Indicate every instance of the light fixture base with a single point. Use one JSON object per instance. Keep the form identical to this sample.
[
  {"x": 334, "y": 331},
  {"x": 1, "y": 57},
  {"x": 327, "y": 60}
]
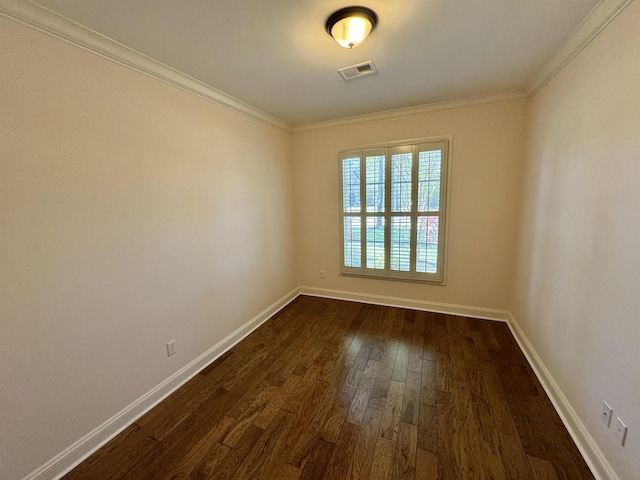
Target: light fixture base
[{"x": 350, "y": 26}]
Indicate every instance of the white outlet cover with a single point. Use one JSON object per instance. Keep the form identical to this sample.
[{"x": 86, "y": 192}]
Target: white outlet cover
[
  {"x": 606, "y": 414},
  {"x": 171, "y": 348},
  {"x": 621, "y": 431}
]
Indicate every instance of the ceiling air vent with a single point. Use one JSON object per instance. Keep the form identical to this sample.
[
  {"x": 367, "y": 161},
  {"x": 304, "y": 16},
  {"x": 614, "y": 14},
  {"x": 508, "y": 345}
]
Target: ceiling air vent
[{"x": 360, "y": 70}]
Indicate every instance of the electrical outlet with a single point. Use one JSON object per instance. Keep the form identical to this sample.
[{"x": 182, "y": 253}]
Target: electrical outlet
[
  {"x": 171, "y": 348},
  {"x": 322, "y": 274},
  {"x": 606, "y": 414},
  {"x": 621, "y": 431}
]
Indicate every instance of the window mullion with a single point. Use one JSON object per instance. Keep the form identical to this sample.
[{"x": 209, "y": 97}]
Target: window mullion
[
  {"x": 363, "y": 211},
  {"x": 444, "y": 185},
  {"x": 387, "y": 212},
  {"x": 414, "y": 210}
]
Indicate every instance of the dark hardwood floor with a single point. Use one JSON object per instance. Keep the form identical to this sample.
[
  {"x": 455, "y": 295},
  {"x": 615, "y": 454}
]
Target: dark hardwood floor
[{"x": 341, "y": 390}]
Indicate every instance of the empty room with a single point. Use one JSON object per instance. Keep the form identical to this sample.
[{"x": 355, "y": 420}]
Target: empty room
[{"x": 319, "y": 240}]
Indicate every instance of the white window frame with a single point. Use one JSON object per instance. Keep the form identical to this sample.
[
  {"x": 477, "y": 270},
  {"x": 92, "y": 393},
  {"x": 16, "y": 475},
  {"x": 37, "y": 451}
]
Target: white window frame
[{"x": 414, "y": 146}]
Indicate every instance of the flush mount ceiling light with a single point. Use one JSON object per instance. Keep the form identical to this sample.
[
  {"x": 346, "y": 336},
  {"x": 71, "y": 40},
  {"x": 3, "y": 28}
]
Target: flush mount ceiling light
[{"x": 351, "y": 26}]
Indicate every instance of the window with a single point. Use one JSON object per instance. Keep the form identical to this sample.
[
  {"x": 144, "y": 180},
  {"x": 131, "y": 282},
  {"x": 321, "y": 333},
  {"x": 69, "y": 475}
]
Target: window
[{"x": 392, "y": 213}]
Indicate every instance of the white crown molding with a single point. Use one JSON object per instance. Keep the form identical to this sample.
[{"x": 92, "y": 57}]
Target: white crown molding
[
  {"x": 414, "y": 111},
  {"x": 436, "y": 307},
  {"x": 597, "y": 462},
  {"x": 44, "y": 20},
  {"x": 603, "y": 13},
  {"x": 79, "y": 451}
]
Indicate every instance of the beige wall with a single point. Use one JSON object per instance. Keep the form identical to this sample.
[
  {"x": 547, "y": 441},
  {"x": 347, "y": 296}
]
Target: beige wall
[
  {"x": 578, "y": 273},
  {"x": 131, "y": 213},
  {"x": 487, "y": 151}
]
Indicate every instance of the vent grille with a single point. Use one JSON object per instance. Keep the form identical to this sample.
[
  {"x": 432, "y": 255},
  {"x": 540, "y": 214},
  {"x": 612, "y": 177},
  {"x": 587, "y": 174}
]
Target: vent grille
[{"x": 359, "y": 70}]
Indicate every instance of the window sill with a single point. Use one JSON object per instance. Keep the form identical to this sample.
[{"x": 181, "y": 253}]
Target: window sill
[{"x": 395, "y": 279}]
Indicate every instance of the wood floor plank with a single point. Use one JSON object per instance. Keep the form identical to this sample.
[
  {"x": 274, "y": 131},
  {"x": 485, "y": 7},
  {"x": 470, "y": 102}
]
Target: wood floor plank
[
  {"x": 429, "y": 339},
  {"x": 469, "y": 354},
  {"x": 340, "y": 407},
  {"x": 463, "y": 326},
  {"x": 475, "y": 453},
  {"x": 381, "y": 328},
  {"x": 362, "y": 358},
  {"x": 417, "y": 343},
  {"x": 543, "y": 435},
  {"x": 307, "y": 383},
  {"x": 343, "y": 453},
  {"x": 206, "y": 451},
  {"x": 351, "y": 383},
  {"x": 288, "y": 472},
  {"x": 161, "y": 420},
  {"x": 163, "y": 460},
  {"x": 116, "y": 458},
  {"x": 486, "y": 436},
  {"x": 163, "y": 425},
  {"x": 363, "y": 336},
  {"x": 508, "y": 345},
  {"x": 210, "y": 463},
  {"x": 265, "y": 454},
  {"x": 365, "y": 446},
  {"x": 404, "y": 465},
  {"x": 426, "y": 465},
  {"x": 428, "y": 383},
  {"x": 322, "y": 415},
  {"x": 216, "y": 363},
  {"x": 310, "y": 419},
  {"x": 401, "y": 365},
  {"x": 512, "y": 383},
  {"x": 316, "y": 464},
  {"x": 454, "y": 331},
  {"x": 383, "y": 457},
  {"x": 392, "y": 411},
  {"x": 247, "y": 417},
  {"x": 458, "y": 367},
  {"x": 542, "y": 469},
  {"x": 337, "y": 389},
  {"x": 513, "y": 455},
  {"x": 361, "y": 397},
  {"x": 380, "y": 390},
  {"x": 489, "y": 335},
  {"x": 234, "y": 458},
  {"x": 449, "y": 452},
  {"x": 428, "y": 427},
  {"x": 349, "y": 319},
  {"x": 315, "y": 344},
  {"x": 411, "y": 398},
  {"x": 332, "y": 360},
  {"x": 301, "y": 343},
  {"x": 305, "y": 309},
  {"x": 441, "y": 341},
  {"x": 271, "y": 408},
  {"x": 444, "y": 372},
  {"x": 480, "y": 345}
]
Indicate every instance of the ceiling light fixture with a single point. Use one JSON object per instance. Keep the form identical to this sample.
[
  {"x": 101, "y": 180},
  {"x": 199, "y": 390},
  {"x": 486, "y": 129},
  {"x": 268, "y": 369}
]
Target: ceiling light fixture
[{"x": 351, "y": 26}]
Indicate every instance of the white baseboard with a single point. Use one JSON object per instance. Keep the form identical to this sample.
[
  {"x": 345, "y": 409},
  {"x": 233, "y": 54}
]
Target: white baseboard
[
  {"x": 590, "y": 451},
  {"x": 83, "y": 448},
  {"x": 450, "y": 309}
]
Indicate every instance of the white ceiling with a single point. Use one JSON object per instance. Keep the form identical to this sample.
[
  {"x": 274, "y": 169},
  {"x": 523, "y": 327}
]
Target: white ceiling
[{"x": 276, "y": 56}]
